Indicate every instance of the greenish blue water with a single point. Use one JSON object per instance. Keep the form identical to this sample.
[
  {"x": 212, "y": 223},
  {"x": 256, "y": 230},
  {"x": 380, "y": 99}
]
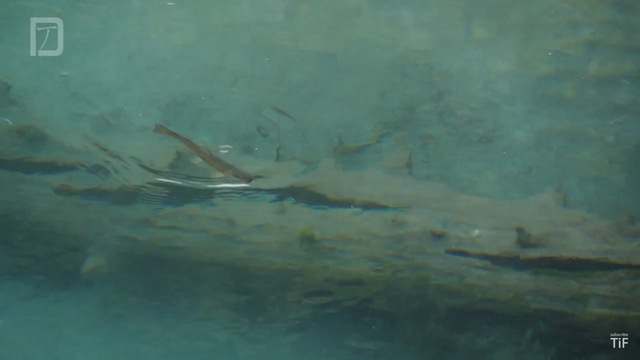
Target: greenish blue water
[{"x": 497, "y": 100}]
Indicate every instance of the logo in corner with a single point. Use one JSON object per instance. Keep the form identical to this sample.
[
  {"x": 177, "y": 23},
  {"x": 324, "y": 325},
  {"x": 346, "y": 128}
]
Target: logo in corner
[
  {"x": 42, "y": 29},
  {"x": 619, "y": 340}
]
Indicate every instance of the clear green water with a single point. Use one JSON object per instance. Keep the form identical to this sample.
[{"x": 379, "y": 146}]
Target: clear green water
[{"x": 495, "y": 100}]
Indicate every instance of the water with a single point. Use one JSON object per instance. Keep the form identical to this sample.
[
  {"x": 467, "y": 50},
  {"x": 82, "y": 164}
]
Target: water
[{"x": 439, "y": 179}]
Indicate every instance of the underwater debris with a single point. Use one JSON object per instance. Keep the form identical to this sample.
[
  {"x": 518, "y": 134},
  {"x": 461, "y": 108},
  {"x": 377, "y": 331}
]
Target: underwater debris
[
  {"x": 284, "y": 154},
  {"x": 438, "y": 234},
  {"x": 31, "y": 166},
  {"x": 627, "y": 226},
  {"x": 309, "y": 196},
  {"x": 99, "y": 119},
  {"x": 182, "y": 162},
  {"x": 161, "y": 193},
  {"x": 5, "y": 86},
  {"x": 526, "y": 240},
  {"x": 32, "y": 135},
  {"x": 263, "y": 131},
  {"x": 217, "y": 163},
  {"x": 319, "y": 293},
  {"x": 399, "y": 159},
  {"x": 6, "y": 97},
  {"x": 340, "y": 149},
  {"x": 307, "y": 235},
  {"x": 308, "y": 239},
  {"x": 108, "y": 152},
  {"x": 121, "y": 195},
  {"x": 310, "y": 243},
  {"x": 319, "y": 297},
  {"x": 558, "y": 263},
  {"x": 352, "y": 282},
  {"x": 98, "y": 170},
  {"x": 93, "y": 264}
]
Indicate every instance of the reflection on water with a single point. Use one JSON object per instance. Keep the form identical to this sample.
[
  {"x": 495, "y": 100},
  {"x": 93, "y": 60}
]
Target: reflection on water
[{"x": 428, "y": 180}]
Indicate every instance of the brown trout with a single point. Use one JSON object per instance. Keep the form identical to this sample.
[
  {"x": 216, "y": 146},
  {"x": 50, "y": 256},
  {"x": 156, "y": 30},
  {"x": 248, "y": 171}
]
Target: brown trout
[{"x": 206, "y": 155}]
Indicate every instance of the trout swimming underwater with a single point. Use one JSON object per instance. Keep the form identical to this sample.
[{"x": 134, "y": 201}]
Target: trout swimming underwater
[{"x": 206, "y": 155}]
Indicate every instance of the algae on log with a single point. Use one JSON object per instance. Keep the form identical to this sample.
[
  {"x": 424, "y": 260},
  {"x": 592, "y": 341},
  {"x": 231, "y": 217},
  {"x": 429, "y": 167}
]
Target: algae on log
[{"x": 586, "y": 267}]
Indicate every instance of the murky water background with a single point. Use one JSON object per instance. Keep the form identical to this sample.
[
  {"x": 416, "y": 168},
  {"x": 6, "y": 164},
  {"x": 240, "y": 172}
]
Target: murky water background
[{"x": 497, "y": 101}]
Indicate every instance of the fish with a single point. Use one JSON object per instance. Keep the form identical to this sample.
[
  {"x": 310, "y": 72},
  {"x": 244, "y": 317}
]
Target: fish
[
  {"x": 263, "y": 131},
  {"x": 108, "y": 152},
  {"x": 205, "y": 155},
  {"x": 341, "y": 149},
  {"x": 284, "y": 113}
]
